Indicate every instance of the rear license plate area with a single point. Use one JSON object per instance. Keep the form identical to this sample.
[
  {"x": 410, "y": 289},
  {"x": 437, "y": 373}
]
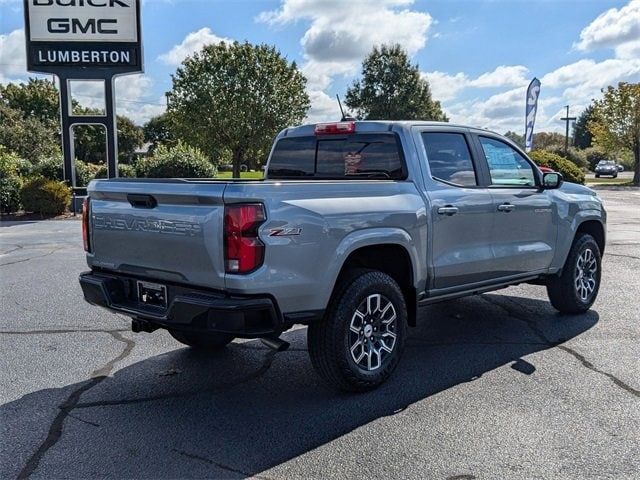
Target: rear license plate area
[{"x": 152, "y": 294}]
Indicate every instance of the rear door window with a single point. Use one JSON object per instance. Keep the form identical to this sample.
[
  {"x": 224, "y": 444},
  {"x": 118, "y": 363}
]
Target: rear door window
[
  {"x": 362, "y": 155},
  {"x": 449, "y": 158}
]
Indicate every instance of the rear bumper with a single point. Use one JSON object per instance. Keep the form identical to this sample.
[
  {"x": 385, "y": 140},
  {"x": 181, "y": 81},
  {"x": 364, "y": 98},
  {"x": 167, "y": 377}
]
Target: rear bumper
[{"x": 188, "y": 308}]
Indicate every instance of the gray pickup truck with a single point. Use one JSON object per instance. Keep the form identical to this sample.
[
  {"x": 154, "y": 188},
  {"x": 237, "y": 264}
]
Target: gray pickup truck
[{"x": 355, "y": 226}]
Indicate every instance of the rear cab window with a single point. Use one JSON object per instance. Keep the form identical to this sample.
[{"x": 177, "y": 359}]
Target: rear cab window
[{"x": 346, "y": 157}]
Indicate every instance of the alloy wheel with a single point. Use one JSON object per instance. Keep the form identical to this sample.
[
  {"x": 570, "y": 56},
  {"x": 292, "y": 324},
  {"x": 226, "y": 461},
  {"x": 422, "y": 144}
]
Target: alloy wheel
[
  {"x": 585, "y": 274},
  {"x": 372, "y": 332}
]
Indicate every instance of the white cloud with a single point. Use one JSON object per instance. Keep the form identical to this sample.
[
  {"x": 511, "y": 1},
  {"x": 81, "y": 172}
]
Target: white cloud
[
  {"x": 583, "y": 80},
  {"x": 192, "y": 43},
  {"x": 445, "y": 87},
  {"x": 323, "y": 107},
  {"x": 502, "y": 76},
  {"x": 13, "y": 58},
  {"x": 628, "y": 50},
  {"x": 612, "y": 28},
  {"x": 340, "y": 34}
]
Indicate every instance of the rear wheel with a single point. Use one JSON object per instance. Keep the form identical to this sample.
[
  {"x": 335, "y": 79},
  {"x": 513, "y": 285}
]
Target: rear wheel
[
  {"x": 360, "y": 341},
  {"x": 577, "y": 288},
  {"x": 202, "y": 340}
]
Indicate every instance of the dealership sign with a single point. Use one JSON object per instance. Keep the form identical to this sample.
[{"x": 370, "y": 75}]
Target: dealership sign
[{"x": 83, "y": 34}]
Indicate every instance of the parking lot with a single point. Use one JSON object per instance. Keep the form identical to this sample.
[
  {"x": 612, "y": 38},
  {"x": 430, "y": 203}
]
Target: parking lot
[{"x": 493, "y": 386}]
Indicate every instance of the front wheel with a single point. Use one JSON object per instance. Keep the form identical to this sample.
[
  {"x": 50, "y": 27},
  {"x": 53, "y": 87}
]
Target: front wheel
[
  {"x": 202, "y": 340},
  {"x": 577, "y": 288},
  {"x": 358, "y": 344}
]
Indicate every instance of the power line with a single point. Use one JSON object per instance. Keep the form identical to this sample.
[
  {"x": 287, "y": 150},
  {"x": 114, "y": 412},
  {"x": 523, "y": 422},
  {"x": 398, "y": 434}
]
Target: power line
[{"x": 128, "y": 100}]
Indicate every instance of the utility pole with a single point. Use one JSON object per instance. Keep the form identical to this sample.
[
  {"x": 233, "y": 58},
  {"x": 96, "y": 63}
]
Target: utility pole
[{"x": 567, "y": 119}]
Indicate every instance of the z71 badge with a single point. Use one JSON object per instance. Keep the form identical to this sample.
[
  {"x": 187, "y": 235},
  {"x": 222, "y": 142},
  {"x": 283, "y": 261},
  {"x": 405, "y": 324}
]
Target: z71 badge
[{"x": 285, "y": 232}]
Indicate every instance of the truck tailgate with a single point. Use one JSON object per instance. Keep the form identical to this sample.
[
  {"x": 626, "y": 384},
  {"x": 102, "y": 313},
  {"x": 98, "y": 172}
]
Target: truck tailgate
[{"x": 165, "y": 230}]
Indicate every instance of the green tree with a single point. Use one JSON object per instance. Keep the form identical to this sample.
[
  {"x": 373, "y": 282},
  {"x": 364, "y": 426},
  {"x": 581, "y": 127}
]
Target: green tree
[
  {"x": 236, "y": 96},
  {"x": 28, "y": 137},
  {"x": 159, "y": 131},
  {"x": 616, "y": 122},
  {"x": 130, "y": 137},
  {"x": 391, "y": 88},
  {"x": 35, "y": 99},
  {"x": 90, "y": 140},
  {"x": 547, "y": 140},
  {"x": 29, "y": 118},
  {"x": 515, "y": 138},
  {"x": 582, "y": 137}
]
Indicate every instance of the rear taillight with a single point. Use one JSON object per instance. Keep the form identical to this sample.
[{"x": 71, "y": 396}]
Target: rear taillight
[
  {"x": 243, "y": 250},
  {"x": 85, "y": 225},
  {"x": 335, "y": 128}
]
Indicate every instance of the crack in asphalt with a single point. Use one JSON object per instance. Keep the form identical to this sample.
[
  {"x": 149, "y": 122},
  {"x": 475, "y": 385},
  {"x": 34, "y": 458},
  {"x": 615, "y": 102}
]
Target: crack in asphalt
[
  {"x": 245, "y": 346},
  {"x": 426, "y": 343},
  {"x": 585, "y": 363},
  {"x": 56, "y": 427},
  {"x": 32, "y": 258},
  {"x": 88, "y": 422},
  {"x": 59, "y": 331},
  {"x": 266, "y": 365},
  {"x": 18, "y": 247},
  {"x": 518, "y": 316},
  {"x": 622, "y": 255},
  {"x": 218, "y": 464}
]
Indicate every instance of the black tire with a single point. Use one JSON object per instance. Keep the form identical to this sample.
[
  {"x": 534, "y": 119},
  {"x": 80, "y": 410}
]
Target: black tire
[
  {"x": 202, "y": 340},
  {"x": 331, "y": 339},
  {"x": 564, "y": 293},
  {"x": 597, "y": 175},
  {"x": 615, "y": 176}
]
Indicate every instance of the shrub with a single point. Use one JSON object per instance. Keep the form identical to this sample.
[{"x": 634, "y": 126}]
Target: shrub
[
  {"x": 9, "y": 163},
  {"x": 10, "y": 193},
  {"x": 48, "y": 197},
  {"x": 574, "y": 155},
  {"x": 124, "y": 170},
  {"x": 181, "y": 161},
  {"x": 569, "y": 170},
  {"x": 51, "y": 169}
]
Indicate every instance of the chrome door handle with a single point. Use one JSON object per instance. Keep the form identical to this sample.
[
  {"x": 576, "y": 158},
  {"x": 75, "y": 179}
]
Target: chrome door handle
[
  {"x": 448, "y": 210},
  {"x": 506, "y": 207}
]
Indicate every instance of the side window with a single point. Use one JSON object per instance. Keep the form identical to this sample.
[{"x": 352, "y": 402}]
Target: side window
[
  {"x": 506, "y": 166},
  {"x": 449, "y": 158}
]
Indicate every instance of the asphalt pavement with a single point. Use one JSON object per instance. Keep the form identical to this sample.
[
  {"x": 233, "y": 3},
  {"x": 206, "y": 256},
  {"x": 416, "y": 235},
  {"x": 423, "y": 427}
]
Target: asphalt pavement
[{"x": 494, "y": 386}]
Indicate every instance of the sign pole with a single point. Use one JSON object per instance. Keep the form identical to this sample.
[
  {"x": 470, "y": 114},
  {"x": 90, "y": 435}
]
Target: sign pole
[
  {"x": 68, "y": 154},
  {"x": 112, "y": 129},
  {"x": 567, "y": 119}
]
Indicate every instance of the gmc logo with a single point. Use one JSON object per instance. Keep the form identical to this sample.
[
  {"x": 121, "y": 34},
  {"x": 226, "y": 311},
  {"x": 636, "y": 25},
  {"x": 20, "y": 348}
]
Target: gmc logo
[{"x": 75, "y": 25}]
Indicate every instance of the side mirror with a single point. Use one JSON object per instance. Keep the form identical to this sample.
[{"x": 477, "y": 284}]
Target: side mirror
[{"x": 551, "y": 180}]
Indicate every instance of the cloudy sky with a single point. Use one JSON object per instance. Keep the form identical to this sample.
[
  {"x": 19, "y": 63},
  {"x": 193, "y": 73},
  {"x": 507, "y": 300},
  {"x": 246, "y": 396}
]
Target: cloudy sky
[{"x": 478, "y": 55}]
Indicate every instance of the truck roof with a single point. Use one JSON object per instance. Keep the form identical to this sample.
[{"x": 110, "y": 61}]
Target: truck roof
[{"x": 376, "y": 126}]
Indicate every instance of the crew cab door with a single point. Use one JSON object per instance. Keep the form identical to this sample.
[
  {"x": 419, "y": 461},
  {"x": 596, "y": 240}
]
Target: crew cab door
[
  {"x": 524, "y": 232},
  {"x": 461, "y": 210}
]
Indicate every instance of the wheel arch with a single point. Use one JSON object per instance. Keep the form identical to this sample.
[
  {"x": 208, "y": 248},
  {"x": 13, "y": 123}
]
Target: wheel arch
[
  {"x": 393, "y": 259},
  {"x": 595, "y": 228}
]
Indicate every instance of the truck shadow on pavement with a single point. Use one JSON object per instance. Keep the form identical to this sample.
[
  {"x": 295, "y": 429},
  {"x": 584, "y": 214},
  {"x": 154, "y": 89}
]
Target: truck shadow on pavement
[{"x": 247, "y": 409}]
